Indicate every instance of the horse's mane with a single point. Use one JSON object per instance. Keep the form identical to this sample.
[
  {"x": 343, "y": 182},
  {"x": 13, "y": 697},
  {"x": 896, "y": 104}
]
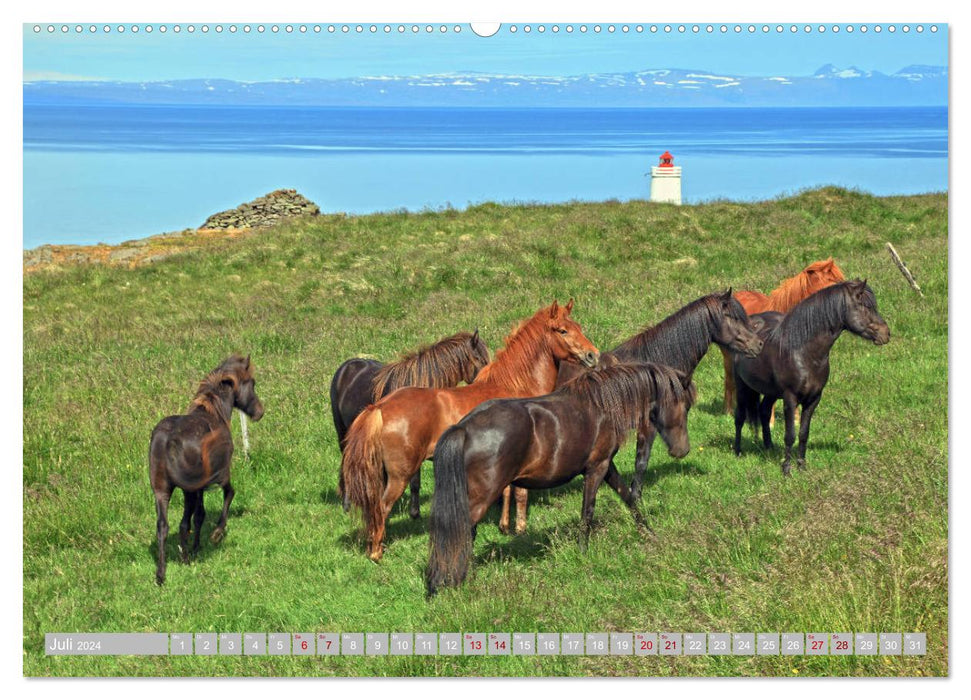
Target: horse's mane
[
  {"x": 514, "y": 363},
  {"x": 442, "y": 364},
  {"x": 682, "y": 339},
  {"x": 621, "y": 392},
  {"x": 234, "y": 368},
  {"x": 826, "y": 309},
  {"x": 816, "y": 276}
]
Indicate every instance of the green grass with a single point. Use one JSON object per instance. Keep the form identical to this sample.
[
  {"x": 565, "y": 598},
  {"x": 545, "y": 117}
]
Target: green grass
[{"x": 856, "y": 542}]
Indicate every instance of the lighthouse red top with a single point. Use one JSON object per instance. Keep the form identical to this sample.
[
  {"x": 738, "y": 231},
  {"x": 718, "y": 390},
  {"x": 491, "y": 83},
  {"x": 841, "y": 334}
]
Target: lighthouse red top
[{"x": 667, "y": 160}]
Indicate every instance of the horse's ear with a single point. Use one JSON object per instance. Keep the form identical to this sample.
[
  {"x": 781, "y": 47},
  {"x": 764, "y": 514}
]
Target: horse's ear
[
  {"x": 728, "y": 293},
  {"x": 685, "y": 380},
  {"x": 554, "y": 309},
  {"x": 475, "y": 337},
  {"x": 247, "y": 361},
  {"x": 569, "y": 306}
]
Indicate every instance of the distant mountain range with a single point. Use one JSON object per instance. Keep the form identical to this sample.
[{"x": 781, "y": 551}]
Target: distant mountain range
[{"x": 914, "y": 85}]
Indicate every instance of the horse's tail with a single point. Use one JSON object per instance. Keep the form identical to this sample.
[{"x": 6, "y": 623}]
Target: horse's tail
[
  {"x": 450, "y": 523},
  {"x": 362, "y": 466},
  {"x": 341, "y": 429}
]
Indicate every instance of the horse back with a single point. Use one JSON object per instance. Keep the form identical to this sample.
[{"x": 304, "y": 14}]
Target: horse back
[
  {"x": 191, "y": 452},
  {"x": 350, "y": 392}
]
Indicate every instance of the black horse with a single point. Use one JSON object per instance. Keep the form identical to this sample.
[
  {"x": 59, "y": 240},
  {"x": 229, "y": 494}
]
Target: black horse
[
  {"x": 194, "y": 450},
  {"x": 360, "y": 382},
  {"x": 544, "y": 442},
  {"x": 794, "y": 363},
  {"x": 680, "y": 341}
]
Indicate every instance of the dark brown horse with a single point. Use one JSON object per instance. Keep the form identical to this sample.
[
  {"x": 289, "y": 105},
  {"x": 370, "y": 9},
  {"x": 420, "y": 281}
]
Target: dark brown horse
[
  {"x": 194, "y": 450},
  {"x": 360, "y": 382},
  {"x": 794, "y": 363},
  {"x": 815, "y": 276},
  {"x": 390, "y": 439},
  {"x": 679, "y": 342},
  {"x": 544, "y": 442}
]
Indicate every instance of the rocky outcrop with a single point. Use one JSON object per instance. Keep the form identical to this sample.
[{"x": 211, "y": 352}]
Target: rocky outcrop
[{"x": 264, "y": 211}]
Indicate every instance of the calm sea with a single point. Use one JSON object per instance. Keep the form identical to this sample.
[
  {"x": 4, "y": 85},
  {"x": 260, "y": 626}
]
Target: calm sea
[{"x": 114, "y": 173}]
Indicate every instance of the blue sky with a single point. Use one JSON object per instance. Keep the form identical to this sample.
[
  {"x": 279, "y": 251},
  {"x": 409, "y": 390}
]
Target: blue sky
[{"x": 255, "y": 57}]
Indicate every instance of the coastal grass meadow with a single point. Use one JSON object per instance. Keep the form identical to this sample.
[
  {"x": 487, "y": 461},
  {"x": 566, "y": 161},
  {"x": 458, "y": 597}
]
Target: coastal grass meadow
[{"x": 857, "y": 542}]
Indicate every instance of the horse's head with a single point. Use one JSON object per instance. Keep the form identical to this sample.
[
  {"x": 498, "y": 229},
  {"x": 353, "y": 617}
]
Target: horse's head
[
  {"x": 566, "y": 340},
  {"x": 862, "y": 317},
  {"x": 669, "y": 415},
  {"x": 240, "y": 377},
  {"x": 821, "y": 274},
  {"x": 732, "y": 328},
  {"x": 478, "y": 357}
]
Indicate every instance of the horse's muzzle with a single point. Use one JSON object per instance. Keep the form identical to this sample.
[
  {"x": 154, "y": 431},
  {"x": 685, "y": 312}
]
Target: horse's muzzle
[
  {"x": 880, "y": 335},
  {"x": 257, "y": 411},
  {"x": 590, "y": 358}
]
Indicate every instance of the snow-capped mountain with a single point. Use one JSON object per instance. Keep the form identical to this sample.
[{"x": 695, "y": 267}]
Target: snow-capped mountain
[{"x": 662, "y": 87}]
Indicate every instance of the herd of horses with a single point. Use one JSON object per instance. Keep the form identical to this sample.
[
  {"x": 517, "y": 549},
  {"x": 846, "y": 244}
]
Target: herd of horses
[{"x": 548, "y": 408}]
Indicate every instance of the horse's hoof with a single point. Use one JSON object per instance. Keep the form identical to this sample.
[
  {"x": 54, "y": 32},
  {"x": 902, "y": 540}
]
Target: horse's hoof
[
  {"x": 376, "y": 556},
  {"x": 159, "y": 580},
  {"x": 415, "y": 514},
  {"x": 520, "y": 530},
  {"x": 786, "y": 469},
  {"x": 217, "y": 535},
  {"x": 801, "y": 463},
  {"x": 504, "y": 529}
]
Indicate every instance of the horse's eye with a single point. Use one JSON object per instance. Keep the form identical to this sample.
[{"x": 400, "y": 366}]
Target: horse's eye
[{"x": 561, "y": 331}]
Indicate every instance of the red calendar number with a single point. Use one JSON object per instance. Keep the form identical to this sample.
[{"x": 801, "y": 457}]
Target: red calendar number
[
  {"x": 647, "y": 645},
  {"x": 475, "y": 644},
  {"x": 328, "y": 644},
  {"x": 500, "y": 645},
  {"x": 303, "y": 645},
  {"x": 842, "y": 646},
  {"x": 670, "y": 644},
  {"x": 817, "y": 644}
]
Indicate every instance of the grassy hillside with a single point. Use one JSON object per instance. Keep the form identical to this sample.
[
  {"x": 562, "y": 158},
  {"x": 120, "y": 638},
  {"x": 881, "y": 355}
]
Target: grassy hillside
[{"x": 857, "y": 542}]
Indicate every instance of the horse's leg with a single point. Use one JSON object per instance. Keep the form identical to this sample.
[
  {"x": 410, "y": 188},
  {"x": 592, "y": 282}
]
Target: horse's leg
[
  {"x": 190, "y": 506},
  {"x": 591, "y": 482},
  {"x": 808, "y": 408},
  {"x": 217, "y": 535},
  {"x": 161, "y": 531},
  {"x": 617, "y": 484},
  {"x": 504, "y": 517},
  {"x": 789, "y": 408},
  {"x": 342, "y": 491},
  {"x": 766, "y": 409},
  {"x": 392, "y": 492},
  {"x": 739, "y": 421},
  {"x": 200, "y": 516},
  {"x": 728, "y": 364},
  {"x": 414, "y": 511},
  {"x": 522, "y": 500},
  {"x": 645, "y": 441}
]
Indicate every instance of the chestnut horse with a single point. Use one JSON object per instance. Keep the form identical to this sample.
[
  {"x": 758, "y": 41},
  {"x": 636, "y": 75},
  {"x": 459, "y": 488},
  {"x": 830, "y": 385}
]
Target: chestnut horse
[
  {"x": 679, "y": 341},
  {"x": 359, "y": 382},
  {"x": 544, "y": 442},
  {"x": 194, "y": 450},
  {"x": 818, "y": 275},
  {"x": 794, "y": 363},
  {"x": 390, "y": 439}
]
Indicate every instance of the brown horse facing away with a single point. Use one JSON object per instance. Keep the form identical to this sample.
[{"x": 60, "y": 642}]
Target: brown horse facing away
[
  {"x": 794, "y": 362},
  {"x": 390, "y": 439},
  {"x": 816, "y": 276},
  {"x": 359, "y": 382},
  {"x": 544, "y": 442},
  {"x": 194, "y": 450}
]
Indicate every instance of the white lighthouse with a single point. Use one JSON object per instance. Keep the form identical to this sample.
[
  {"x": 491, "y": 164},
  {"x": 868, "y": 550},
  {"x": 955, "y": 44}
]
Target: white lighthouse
[{"x": 666, "y": 181}]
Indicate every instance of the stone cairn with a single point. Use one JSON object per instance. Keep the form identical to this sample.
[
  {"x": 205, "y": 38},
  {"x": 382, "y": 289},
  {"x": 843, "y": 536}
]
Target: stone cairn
[{"x": 268, "y": 210}]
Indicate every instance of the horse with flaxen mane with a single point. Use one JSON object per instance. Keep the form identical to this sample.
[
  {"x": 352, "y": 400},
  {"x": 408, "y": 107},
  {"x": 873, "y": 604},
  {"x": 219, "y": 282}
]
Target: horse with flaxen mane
[
  {"x": 359, "y": 382},
  {"x": 194, "y": 450},
  {"x": 390, "y": 439},
  {"x": 816, "y": 276},
  {"x": 679, "y": 342},
  {"x": 794, "y": 362},
  {"x": 544, "y": 442}
]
